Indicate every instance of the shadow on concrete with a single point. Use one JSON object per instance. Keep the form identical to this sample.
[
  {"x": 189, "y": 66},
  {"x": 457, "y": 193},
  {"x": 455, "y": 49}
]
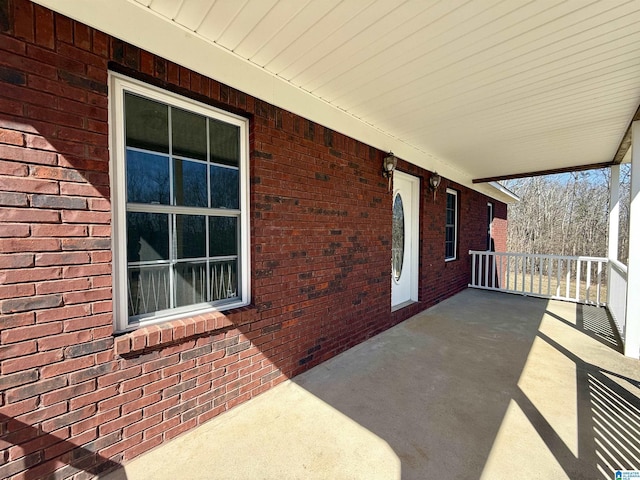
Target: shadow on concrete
[
  {"x": 608, "y": 421},
  {"x": 46, "y": 451},
  {"x": 436, "y": 387}
]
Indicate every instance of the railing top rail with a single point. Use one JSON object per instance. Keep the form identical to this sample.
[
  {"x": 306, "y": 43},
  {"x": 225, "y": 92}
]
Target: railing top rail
[
  {"x": 540, "y": 255},
  {"x": 618, "y": 265}
]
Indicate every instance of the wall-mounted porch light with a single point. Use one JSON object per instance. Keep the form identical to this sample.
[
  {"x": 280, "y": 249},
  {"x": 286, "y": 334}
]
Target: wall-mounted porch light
[
  {"x": 434, "y": 183},
  {"x": 388, "y": 166}
]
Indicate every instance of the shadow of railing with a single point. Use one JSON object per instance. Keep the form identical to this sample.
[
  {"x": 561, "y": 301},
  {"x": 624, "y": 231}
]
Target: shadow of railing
[
  {"x": 608, "y": 421},
  {"x": 596, "y": 323},
  {"x": 46, "y": 452}
]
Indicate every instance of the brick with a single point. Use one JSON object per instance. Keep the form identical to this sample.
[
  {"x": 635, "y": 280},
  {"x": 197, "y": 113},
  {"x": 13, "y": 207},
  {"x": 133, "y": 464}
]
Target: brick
[
  {"x": 19, "y": 154},
  {"x": 34, "y": 389},
  {"x": 62, "y": 258},
  {"x": 63, "y": 394},
  {"x": 43, "y": 413},
  {"x": 20, "y": 334},
  {"x": 60, "y": 286},
  {"x": 88, "y": 348},
  {"x": 11, "y": 137},
  {"x": 22, "y": 290},
  {"x": 140, "y": 381},
  {"x": 12, "y": 245},
  {"x": 30, "y": 361},
  {"x": 86, "y": 244},
  {"x": 86, "y": 270},
  {"x": 20, "y": 378},
  {"x": 119, "y": 376},
  {"x": 67, "y": 366},
  {"x": 19, "y": 408},
  {"x": 31, "y": 215},
  {"x": 14, "y": 230},
  {"x": 22, "y": 464},
  {"x": 54, "y": 201},
  {"x": 119, "y": 400},
  {"x": 24, "y": 24},
  {"x": 85, "y": 296},
  {"x": 44, "y": 30},
  {"x": 55, "y": 173},
  {"x": 93, "y": 397},
  {"x": 13, "y": 199},
  {"x": 51, "y": 342},
  {"x": 120, "y": 422},
  {"x": 30, "y": 274},
  {"x": 18, "y": 260},
  {"x": 62, "y": 313},
  {"x": 75, "y": 216},
  {"x": 30, "y": 303},
  {"x": 18, "y": 320},
  {"x": 92, "y": 372},
  {"x": 17, "y": 349},
  {"x": 59, "y": 230},
  {"x": 94, "y": 421},
  {"x": 88, "y": 322}
]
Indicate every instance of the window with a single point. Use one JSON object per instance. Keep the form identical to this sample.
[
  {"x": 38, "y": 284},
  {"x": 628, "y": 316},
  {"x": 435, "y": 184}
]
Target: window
[
  {"x": 179, "y": 183},
  {"x": 451, "y": 226}
]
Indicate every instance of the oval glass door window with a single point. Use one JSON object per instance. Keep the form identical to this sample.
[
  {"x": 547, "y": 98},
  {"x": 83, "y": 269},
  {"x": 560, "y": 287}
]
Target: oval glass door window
[{"x": 397, "y": 239}]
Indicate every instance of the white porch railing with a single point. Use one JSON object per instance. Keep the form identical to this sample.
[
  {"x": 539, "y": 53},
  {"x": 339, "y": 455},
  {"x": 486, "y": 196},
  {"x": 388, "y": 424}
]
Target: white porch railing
[
  {"x": 617, "y": 293},
  {"x": 575, "y": 279}
]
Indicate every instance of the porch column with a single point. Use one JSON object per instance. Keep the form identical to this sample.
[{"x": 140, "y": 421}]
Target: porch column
[
  {"x": 614, "y": 212},
  {"x": 614, "y": 223},
  {"x": 632, "y": 327}
]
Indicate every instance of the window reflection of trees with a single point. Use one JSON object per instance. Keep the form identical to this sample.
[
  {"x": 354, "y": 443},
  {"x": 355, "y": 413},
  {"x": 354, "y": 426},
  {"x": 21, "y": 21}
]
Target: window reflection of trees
[{"x": 170, "y": 263}]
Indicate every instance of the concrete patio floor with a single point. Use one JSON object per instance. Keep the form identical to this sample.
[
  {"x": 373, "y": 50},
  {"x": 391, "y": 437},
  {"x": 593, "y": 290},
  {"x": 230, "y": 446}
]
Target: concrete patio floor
[{"x": 483, "y": 385}]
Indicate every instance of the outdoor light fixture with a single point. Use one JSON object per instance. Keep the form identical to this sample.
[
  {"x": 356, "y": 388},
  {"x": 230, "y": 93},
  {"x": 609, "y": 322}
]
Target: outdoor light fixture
[
  {"x": 388, "y": 166},
  {"x": 434, "y": 183}
]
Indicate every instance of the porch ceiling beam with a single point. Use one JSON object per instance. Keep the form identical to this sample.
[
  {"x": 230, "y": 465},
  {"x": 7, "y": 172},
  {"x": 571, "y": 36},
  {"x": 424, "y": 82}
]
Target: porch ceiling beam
[{"x": 577, "y": 168}]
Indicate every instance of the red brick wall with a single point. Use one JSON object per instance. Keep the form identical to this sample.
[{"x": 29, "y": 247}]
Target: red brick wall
[{"x": 77, "y": 400}]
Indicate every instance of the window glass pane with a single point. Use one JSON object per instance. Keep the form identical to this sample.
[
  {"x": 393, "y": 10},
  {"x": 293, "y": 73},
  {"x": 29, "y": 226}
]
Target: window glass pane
[
  {"x": 224, "y": 279},
  {"x": 149, "y": 289},
  {"x": 451, "y": 200},
  {"x": 146, "y": 123},
  {"x": 147, "y": 177},
  {"x": 189, "y": 134},
  {"x": 397, "y": 237},
  {"x": 224, "y": 187},
  {"x": 190, "y": 183},
  {"x": 190, "y": 236},
  {"x": 224, "y": 141},
  {"x": 223, "y": 236},
  {"x": 147, "y": 237},
  {"x": 191, "y": 283}
]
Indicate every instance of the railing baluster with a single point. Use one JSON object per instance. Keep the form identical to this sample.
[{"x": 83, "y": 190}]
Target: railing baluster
[
  {"x": 578, "y": 279},
  {"x": 473, "y": 269}
]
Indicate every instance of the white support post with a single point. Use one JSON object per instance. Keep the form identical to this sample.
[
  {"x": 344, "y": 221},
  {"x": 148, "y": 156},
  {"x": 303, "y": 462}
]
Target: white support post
[
  {"x": 614, "y": 221},
  {"x": 614, "y": 212},
  {"x": 632, "y": 325}
]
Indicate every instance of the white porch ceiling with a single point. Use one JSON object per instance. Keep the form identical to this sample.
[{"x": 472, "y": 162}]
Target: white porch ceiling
[{"x": 474, "y": 89}]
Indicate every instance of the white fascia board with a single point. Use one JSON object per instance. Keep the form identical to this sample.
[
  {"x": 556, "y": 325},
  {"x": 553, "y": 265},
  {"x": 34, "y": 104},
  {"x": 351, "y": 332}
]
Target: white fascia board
[{"x": 133, "y": 23}]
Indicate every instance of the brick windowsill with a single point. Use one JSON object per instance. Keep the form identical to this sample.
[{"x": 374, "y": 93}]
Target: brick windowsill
[{"x": 165, "y": 333}]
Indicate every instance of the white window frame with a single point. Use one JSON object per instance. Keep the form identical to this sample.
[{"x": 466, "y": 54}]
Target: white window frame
[
  {"x": 450, "y": 191},
  {"x": 118, "y": 85},
  {"x": 490, "y": 226}
]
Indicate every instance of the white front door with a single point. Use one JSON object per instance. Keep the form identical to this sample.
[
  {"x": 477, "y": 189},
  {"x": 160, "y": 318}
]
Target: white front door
[{"x": 405, "y": 239}]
